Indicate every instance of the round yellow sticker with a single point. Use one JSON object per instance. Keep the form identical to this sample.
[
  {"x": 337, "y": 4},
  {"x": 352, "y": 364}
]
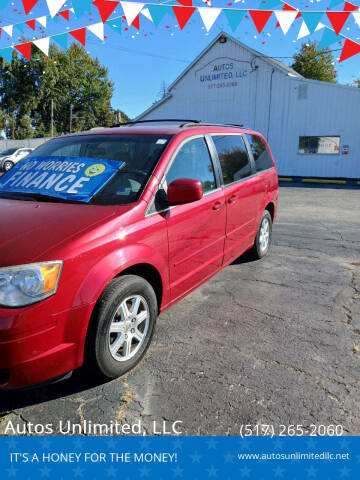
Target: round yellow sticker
[{"x": 94, "y": 170}]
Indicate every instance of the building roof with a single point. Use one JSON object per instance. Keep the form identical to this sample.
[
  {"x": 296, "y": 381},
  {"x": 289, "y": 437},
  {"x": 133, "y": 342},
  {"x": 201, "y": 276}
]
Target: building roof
[{"x": 272, "y": 61}]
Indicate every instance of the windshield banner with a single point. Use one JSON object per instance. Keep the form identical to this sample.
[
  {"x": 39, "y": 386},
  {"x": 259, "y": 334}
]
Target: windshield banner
[{"x": 70, "y": 178}]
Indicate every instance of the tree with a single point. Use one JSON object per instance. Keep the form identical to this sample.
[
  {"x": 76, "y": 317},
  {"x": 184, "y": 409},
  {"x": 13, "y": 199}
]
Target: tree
[
  {"x": 313, "y": 63},
  {"x": 119, "y": 117},
  {"x": 76, "y": 84},
  {"x": 357, "y": 82}
]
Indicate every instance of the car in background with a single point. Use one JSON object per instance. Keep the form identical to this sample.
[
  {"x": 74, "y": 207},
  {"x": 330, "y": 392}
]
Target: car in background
[
  {"x": 106, "y": 229},
  {"x": 11, "y": 156}
]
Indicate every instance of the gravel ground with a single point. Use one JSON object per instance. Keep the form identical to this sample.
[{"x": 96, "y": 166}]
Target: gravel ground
[{"x": 275, "y": 341}]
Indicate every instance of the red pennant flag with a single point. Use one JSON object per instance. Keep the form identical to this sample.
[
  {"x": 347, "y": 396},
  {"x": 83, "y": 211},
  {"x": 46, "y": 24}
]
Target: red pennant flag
[
  {"x": 80, "y": 35},
  {"x": 65, "y": 14},
  {"x": 183, "y": 15},
  {"x": 24, "y": 49},
  {"x": 136, "y": 21},
  {"x": 349, "y": 7},
  {"x": 105, "y": 7},
  {"x": 186, "y": 3},
  {"x": 350, "y": 48},
  {"x": 337, "y": 20},
  {"x": 28, "y": 5},
  {"x": 260, "y": 17},
  {"x": 31, "y": 24}
]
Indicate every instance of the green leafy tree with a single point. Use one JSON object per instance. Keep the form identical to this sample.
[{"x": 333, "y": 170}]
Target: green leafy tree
[
  {"x": 76, "y": 84},
  {"x": 313, "y": 63}
]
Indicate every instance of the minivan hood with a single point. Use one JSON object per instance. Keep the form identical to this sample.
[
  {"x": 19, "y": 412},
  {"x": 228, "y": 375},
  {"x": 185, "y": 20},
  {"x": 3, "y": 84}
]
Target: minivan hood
[{"x": 29, "y": 229}]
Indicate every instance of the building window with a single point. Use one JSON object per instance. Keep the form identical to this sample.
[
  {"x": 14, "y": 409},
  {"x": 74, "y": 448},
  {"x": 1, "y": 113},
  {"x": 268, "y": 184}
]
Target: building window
[
  {"x": 260, "y": 153},
  {"x": 319, "y": 145},
  {"x": 233, "y": 156}
]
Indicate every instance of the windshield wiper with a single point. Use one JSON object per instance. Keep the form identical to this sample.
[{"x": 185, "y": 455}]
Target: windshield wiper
[{"x": 37, "y": 197}]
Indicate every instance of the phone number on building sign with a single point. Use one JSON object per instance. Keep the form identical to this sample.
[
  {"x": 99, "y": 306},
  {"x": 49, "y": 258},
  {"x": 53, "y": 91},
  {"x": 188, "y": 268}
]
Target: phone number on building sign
[{"x": 270, "y": 430}]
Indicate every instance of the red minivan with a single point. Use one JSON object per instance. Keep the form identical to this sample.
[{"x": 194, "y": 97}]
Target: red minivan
[{"x": 101, "y": 231}]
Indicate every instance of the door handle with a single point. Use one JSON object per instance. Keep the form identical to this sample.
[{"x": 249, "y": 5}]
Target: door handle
[
  {"x": 232, "y": 199},
  {"x": 217, "y": 206}
]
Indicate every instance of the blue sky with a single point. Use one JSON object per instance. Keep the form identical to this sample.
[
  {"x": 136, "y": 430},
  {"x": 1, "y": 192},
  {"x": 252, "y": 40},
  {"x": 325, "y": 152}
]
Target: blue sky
[{"x": 139, "y": 62}]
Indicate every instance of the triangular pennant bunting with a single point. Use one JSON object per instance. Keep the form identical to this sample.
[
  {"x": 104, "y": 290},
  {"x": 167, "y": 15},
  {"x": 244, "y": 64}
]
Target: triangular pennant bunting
[
  {"x": 136, "y": 22},
  {"x": 183, "y": 15},
  {"x": 24, "y": 49},
  {"x": 285, "y": 19},
  {"x": 304, "y": 31},
  {"x": 356, "y": 16},
  {"x": 234, "y": 18},
  {"x": 260, "y": 18},
  {"x": 350, "y": 7},
  {"x": 97, "y": 29},
  {"x": 334, "y": 2},
  {"x": 329, "y": 37},
  {"x": 80, "y": 7},
  {"x": 147, "y": 14},
  {"x": 65, "y": 14},
  {"x": 105, "y": 7},
  {"x": 185, "y": 3},
  {"x": 311, "y": 19},
  {"x": 28, "y": 5},
  {"x": 131, "y": 10},
  {"x": 158, "y": 12},
  {"x": 209, "y": 16},
  {"x": 61, "y": 40},
  {"x": 54, "y": 6},
  {"x": 6, "y": 54},
  {"x": 8, "y": 29},
  {"x": 31, "y": 24},
  {"x": 42, "y": 21},
  {"x": 115, "y": 25},
  {"x": 350, "y": 49},
  {"x": 20, "y": 27},
  {"x": 337, "y": 20},
  {"x": 43, "y": 44},
  {"x": 80, "y": 35}
]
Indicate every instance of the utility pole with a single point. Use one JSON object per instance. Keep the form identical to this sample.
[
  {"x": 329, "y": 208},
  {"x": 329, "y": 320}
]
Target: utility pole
[
  {"x": 52, "y": 118},
  {"x": 71, "y": 109}
]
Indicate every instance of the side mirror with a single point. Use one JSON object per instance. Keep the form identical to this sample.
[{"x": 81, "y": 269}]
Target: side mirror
[{"x": 184, "y": 190}]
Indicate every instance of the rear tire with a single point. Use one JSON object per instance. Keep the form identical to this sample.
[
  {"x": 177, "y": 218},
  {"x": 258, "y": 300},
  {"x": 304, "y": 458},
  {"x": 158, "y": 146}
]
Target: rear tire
[
  {"x": 263, "y": 236},
  {"x": 123, "y": 325},
  {"x": 8, "y": 165}
]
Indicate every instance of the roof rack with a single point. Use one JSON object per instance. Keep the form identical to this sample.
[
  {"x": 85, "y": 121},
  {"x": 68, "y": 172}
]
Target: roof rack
[
  {"x": 209, "y": 124},
  {"x": 179, "y": 120}
]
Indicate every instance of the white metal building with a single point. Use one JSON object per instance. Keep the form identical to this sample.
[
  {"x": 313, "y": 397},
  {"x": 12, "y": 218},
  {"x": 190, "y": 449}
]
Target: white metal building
[{"x": 312, "y": 127}]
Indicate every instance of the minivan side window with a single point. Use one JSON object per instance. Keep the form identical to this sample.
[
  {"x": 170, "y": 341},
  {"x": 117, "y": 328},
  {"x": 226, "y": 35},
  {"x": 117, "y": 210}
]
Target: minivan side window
[
  {"x": 260, "y": 153},
  {"x": 193, "y": 161},
  {"x": 233, "y": 157}
]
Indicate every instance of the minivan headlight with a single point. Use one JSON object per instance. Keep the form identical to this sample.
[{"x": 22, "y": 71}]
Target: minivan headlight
[{"x": 25, "y": 284}]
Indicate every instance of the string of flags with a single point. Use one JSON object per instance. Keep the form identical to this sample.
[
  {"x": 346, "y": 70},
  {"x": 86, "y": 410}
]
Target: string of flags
[{"x": 183, "y": 11}]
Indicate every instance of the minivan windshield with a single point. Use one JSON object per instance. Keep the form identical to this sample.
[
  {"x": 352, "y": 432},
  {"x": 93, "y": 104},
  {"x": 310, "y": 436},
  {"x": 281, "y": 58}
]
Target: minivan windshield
[
  {"x": 9, "y": 151},
  {"x": 131, "y": 159}
]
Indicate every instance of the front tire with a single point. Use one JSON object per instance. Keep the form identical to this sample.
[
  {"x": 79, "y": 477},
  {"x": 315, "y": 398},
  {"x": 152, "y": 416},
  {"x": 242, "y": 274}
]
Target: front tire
[
  {"x": 125, "y": 318},
  {"x": 8, "y": 165},
  {"x": 263, "y": 236}
]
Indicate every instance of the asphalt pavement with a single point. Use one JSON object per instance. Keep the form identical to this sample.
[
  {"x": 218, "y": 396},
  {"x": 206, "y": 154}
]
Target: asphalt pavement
[{"x": 275, "y": 341}]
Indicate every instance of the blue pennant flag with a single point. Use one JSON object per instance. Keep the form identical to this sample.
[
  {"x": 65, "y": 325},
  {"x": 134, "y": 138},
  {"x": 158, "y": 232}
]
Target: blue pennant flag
[
  {"x": 20, "y": 27},
  {"x": 334, "y": 2},
  {"x": 115, "y": 25},
  {"x": 81, "y": 6},
  {"x": 234, "y": 18},
  {"x": 6, "y": 54},
  {"x": 268, "y": 4},
  {"x": 329, "y": 37},
  {"x": 158, "y": 12},
  {"x": 61, "y": 40},
  {"x": 311, "y": 19}
]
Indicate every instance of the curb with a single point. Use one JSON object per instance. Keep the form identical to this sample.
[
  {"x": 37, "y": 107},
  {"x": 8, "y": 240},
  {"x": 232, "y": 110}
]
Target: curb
[{"x": 330, "y": 181}]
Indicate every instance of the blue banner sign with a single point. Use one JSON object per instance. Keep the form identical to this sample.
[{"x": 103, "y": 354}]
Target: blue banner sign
[
  {"x": 134, "y": 458},
  {"x": 70, "y": 178}
]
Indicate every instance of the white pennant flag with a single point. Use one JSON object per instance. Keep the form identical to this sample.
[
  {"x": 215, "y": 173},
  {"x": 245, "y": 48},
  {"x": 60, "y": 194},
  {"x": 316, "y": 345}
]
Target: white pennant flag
[
  {"x": 209, "y": 16},
  {"x": 147, "y": 14},
  {"x": 285, "y": 19},
  {"x": 131, "y": 10},
  {"x": 304, "y": 31},
  {"x": 43, "y": 44},
  {"x": 97, "y": 29},
  {"x": 54, "y": 6},
  {"x": 42, "y": 21},
  {"x": 357, "y": 17},
  {"x": 8, "y": 29}
]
